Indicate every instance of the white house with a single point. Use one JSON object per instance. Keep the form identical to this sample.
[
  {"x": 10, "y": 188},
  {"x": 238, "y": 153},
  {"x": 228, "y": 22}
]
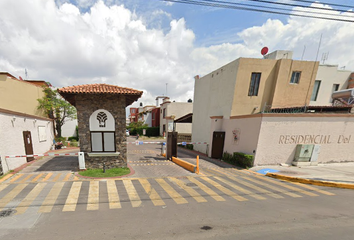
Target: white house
[{"x": 328, "y": 80}]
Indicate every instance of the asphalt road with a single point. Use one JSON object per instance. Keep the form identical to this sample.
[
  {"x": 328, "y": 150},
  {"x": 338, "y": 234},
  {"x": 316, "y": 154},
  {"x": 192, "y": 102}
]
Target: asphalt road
[{"x": 221, "y": 204}]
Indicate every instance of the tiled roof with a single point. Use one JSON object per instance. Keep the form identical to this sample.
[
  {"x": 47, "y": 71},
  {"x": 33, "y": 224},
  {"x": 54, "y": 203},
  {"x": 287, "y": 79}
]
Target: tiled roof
[
  {"x": 97, "y": 88},
  {"x": 69, "y": 93}
]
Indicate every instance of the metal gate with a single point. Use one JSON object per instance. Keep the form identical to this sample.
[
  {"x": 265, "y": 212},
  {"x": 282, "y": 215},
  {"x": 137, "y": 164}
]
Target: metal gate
[
  {"x": 28, "y": 145},
  {"x": 218, "y": 145}
]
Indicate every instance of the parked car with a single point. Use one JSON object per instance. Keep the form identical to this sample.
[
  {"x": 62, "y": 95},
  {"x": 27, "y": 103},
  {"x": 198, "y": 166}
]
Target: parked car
[{"x": 127, "y": 132}]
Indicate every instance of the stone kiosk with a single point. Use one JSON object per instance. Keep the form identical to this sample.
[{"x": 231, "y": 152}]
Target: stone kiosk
[{"x": 101, "y": 121}]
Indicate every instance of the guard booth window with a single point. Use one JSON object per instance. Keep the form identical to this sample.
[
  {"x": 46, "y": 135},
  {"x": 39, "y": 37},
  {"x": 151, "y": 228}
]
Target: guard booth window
[{"x": 103, "y": 142}]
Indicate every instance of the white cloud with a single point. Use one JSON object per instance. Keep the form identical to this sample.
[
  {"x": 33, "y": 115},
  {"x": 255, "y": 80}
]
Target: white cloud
[{"x": 111, "y": 44}]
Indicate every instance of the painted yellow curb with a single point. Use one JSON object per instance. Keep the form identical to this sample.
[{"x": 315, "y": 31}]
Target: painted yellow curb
[
  {"x": 184, "y": 164},
  {"x": 310, "y": 181}
]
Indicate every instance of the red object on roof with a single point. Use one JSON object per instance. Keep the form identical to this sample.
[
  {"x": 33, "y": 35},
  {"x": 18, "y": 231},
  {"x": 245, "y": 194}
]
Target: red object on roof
[
  {"x": 99, "y": 88},
  {"x": 264, "y": 51}
]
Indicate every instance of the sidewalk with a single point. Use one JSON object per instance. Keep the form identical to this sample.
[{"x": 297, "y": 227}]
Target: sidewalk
[{"x": 330, "y": 174}]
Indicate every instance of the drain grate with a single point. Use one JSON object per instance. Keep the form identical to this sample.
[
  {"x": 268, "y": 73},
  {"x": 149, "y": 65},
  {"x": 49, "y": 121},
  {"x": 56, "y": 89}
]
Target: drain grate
[{"x": 7, "y": 213}]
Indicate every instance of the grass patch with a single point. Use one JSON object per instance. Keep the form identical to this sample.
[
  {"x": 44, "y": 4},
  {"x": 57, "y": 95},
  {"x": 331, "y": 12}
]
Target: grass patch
[{"x": 113, "y": 172}]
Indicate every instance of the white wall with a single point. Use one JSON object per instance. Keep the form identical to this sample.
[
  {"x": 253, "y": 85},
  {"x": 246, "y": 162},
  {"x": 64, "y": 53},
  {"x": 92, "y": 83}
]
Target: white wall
[
  {"x": 274, "y": 137},
  {"x": 69, "y": 128},
  {"x": 12, "y": 142},
  {"x": 246, "y": 130},
  {"x": 276, "y": 141},
  {"x": 329, "y": 75},
  {"x": 213, "y": 96},
  {"x": 177, "y": 109}
]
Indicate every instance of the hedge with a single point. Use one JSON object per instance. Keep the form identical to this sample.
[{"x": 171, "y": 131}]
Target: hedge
[
  {"x": 150, "y": 131},
  {"x": 238, "y": 159}
]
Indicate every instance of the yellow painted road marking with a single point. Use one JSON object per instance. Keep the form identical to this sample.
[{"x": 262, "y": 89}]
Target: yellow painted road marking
[
  {"x": 272, "y": 187},
  {"x": 11, "y": 195},
  {"x": 15, "y": 178},
  {"x": 3, "y": 186},
  {"x": 56, "y": 177},
  {"x": 154, "y": 196},
  {"x": 256, "y": 196},
  {"x": 170, "y": 191},
  {"x": 314, "y": 189},
  {"x": 133, "y": 195},
  {"x": 26, "y": 202},
  {"x": 189, "y": 190},
  {"x": 250, "y": 185},
  {"x": 26, "y": 178},
  {"x": 6, "y": 177},
  {"x": 224, "y": 190},
  {"x": 206, "y": 189},
  {"x": 51, "y": 198},
  {"x": 67, "y": 177},
  {"x": 47, "y": 177},
  {"x": 285, "y": 185},
  {"x": 71, "y": 201},
  {"x": 36, "y": 178},
  {"x": 113, "y": 196},
  {"x": 93, "y": 197}
]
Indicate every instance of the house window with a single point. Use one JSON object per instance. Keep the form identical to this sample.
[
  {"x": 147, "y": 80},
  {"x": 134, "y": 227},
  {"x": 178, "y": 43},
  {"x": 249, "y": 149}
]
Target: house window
[
  {"x": 164, "y": 113},
  {"x": 254, "y": 84},
  {"x": 316, "y": 88},
  {"x": 103, "y": 142},
  {"x": 132, "y": 110},
  {"x": 295, "y": 77},
  {"x": 153, "y": 115},
  {"x": 334, "y": 89},
  {"x": 163, "y": 128}
]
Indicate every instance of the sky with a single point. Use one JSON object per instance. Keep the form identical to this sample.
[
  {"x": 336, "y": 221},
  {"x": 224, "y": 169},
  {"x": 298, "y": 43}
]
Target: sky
[{"x": 152, "y": 45}]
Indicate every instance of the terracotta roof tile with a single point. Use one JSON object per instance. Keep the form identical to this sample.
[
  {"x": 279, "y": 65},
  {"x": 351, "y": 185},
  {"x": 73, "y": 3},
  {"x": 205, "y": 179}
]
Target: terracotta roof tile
[
  {"x": 69, "y": 93},
  {"x": 99, "y": 88}
]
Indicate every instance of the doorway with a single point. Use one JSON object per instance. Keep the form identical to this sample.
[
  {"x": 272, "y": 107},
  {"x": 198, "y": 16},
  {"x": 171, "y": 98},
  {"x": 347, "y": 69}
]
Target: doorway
[
  {"x": 28, "y": 145},
  {"x": 218, "y": 145}
]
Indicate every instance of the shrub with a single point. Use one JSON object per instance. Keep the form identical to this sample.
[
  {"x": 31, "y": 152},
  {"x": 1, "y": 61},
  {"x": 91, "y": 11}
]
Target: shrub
[
  {"x": 153, "y": 131},
  {"x": 238, "y": 159},
  {"x": 60, "y": 139},
  {"x": 73, "y": 139}
]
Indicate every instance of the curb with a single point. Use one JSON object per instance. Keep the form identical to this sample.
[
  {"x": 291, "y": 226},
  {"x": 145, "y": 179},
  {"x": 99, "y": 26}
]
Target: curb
[
  {"x": 186, "y": 165},
  {"x": 101, "y": 178},
  {"x": 310, "y": 181}
]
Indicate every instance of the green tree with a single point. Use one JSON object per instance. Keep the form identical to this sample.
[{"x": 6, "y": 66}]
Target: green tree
[{"x": 56, "y": 108}]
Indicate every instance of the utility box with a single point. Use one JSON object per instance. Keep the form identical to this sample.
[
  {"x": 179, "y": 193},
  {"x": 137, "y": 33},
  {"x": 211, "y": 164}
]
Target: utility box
[
  {"x": 315, "y": 154},
  {"x": 303, "y": 154}
]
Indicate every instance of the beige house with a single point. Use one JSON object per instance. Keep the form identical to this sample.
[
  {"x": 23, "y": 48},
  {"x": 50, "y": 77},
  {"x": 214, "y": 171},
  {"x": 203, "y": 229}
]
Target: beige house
[
  {"x": 24, "y": 129},
  {"x": 20, "y": 95},
  {"x": 174, "y": 110},
  {"x": 248, "y": 86}
]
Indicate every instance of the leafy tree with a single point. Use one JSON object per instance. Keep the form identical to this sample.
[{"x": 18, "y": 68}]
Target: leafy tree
[
  {"x": 137, "y": 124},
  {"x": 56, "y": 108}
]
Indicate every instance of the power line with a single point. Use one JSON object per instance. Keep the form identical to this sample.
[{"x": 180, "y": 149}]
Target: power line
[
  {"x": 330, "y": 4},
  {"x": 297, "y": 5},
  {"x": 277, "y": 8},
  {"x": 231, "y": 5}
]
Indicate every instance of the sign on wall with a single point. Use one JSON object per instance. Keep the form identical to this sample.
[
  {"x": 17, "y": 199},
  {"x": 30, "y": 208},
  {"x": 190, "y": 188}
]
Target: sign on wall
[{"x": 101, "y": 120}]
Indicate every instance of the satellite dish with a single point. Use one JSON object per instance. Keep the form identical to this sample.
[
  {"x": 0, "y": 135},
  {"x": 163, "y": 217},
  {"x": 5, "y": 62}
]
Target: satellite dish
[{"x": 264, "y": 51}]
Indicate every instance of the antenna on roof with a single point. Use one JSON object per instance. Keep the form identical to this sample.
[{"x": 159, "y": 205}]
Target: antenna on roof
[
  {"x": 26, "y": 74},
  {"x": 324, "y": 57}
]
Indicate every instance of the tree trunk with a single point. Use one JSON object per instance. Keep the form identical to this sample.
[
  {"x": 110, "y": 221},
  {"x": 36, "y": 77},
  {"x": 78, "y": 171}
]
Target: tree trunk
[{"x": 58, "y": 128}]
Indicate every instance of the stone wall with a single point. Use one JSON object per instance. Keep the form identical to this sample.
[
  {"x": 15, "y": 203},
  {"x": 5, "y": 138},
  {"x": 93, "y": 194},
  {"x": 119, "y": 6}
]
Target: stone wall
[{"x": 86, "y": 104}]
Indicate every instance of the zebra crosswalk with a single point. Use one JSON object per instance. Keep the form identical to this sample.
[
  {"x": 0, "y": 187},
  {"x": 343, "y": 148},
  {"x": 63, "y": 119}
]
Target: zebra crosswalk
[{"x": 223, "y": 185}]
